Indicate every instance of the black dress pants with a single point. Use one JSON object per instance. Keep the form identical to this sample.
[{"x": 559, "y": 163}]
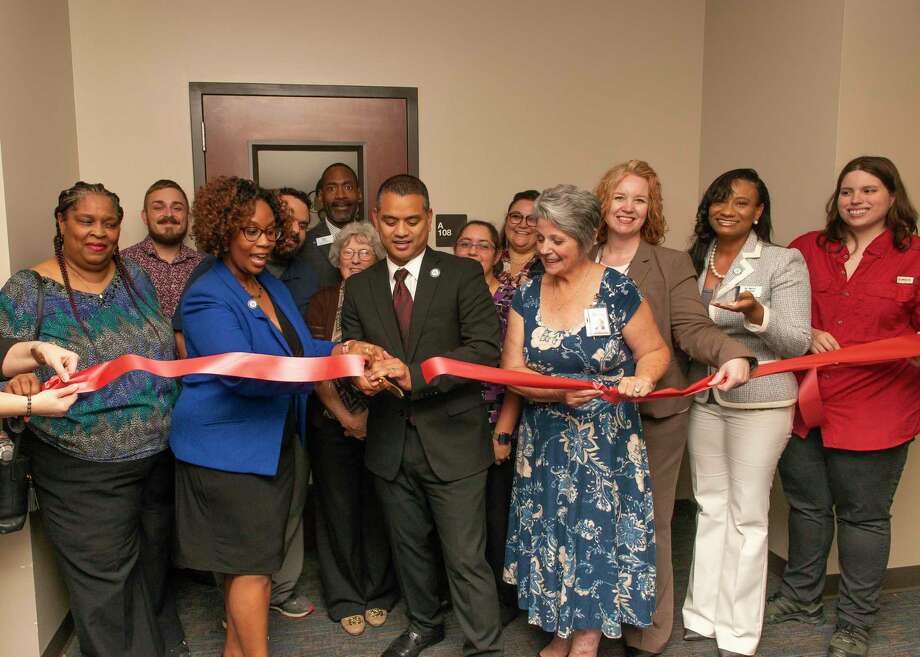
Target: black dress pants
[
  {"x": 415, "y": 503},
  {"x": 857, "y": 487},
  {"x": 351, "y": 537},
  {"x": 111, "y": 528},
  {"x": 498, "y": 504}
]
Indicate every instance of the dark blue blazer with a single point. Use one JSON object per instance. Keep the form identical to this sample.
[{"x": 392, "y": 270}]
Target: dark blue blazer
[{"x": 229, "y": 423}]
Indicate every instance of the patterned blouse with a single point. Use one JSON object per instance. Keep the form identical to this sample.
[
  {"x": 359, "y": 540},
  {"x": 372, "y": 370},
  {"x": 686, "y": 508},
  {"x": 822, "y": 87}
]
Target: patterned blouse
[
  {"x": 128, "y": 419},
  {"x": 492, "y": 393},
  {"x": 169, "y": 278},
  {"x": 530, "y": 269}
]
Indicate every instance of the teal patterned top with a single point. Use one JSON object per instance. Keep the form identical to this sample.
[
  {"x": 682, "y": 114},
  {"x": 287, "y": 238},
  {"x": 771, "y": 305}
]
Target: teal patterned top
[{"x": 128, "y": 419}]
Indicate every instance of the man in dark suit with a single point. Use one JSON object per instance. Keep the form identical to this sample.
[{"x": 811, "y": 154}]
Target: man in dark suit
[
  {"x": 339, "y": 194},
  {"x": 430, "y": 450}
]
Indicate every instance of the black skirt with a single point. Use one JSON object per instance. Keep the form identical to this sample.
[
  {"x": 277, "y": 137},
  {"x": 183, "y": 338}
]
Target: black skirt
[{"x": 230, "y": 522}]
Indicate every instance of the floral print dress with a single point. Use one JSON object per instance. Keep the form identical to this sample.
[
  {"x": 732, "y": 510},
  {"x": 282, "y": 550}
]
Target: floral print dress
[{"x": 581, "y": 544}]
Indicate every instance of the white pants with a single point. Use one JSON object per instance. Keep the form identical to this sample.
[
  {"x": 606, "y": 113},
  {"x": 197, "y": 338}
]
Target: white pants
[{"x": 733, "y": 457}]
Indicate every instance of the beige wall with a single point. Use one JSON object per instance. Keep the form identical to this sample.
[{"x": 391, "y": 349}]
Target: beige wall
[
  {"x": 878, "y": 115},
  {"x": 36, "y": 122},
  {"x": 511, "y": 95},
  {"x": 770, "y": 84}
]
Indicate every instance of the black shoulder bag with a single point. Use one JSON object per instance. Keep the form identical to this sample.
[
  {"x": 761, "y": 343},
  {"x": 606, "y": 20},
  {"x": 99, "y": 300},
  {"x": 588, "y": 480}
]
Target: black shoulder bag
[{"x": 15, "y": 480}]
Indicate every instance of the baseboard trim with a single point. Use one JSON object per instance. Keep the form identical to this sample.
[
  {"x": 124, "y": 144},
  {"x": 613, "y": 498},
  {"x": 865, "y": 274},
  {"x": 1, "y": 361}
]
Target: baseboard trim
[
  {"x": 896, "y": 579},
  {"x": 56, "y": 646}
]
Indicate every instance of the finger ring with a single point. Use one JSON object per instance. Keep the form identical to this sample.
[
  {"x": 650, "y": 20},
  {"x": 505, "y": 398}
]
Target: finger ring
[{"x": 637, "y": 387}]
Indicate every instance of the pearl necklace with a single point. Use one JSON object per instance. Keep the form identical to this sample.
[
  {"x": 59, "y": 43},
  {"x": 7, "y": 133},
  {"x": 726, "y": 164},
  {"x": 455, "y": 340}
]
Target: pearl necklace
[{"x": 712, "y": 263}]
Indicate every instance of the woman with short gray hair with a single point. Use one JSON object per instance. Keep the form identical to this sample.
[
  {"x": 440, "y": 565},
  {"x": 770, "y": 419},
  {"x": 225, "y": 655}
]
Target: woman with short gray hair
[
  {"x": 354, "y": 556},
  {"x": 362, "y": 231},
  {"x": 574, "y": 211},
  {"x": 581, "y": 543}
]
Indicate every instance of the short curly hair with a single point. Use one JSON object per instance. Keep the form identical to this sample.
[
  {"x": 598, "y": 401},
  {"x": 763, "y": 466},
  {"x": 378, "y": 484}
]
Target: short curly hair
[{"x": 224, "y": 205}]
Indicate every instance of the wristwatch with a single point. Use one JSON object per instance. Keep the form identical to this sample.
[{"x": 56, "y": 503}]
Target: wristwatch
[{"x": 502, "y": 438}]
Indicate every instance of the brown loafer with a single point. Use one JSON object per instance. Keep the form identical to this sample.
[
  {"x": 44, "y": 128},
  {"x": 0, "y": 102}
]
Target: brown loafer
[
  {"x": 353, "y": 625},
  {"x": 375, "y": 617}
]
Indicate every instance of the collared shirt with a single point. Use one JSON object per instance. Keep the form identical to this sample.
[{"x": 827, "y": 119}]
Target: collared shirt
[
  {"x": 867, "y": 407},
  {"x": 414, "y": 266},
  {"x": 333, "y": 229},
  {"x": 168, "y": 277}
]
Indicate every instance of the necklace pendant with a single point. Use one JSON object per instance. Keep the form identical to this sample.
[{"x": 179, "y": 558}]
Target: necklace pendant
[{"x": 253, "y": 304}]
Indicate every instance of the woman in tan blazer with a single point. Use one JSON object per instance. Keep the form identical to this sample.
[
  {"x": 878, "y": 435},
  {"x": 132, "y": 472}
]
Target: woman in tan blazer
[{"x": 630, "y": 194}]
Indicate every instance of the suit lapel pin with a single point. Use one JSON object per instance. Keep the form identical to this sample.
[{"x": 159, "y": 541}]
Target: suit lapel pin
[
  {"x": 252, "y": 304},
  {"x": 435, "y": 272}
]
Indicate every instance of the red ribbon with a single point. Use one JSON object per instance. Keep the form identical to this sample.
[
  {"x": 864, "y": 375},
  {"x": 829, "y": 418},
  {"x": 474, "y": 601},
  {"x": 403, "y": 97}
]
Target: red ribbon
[
  {"x": 305, "y": 370},
  {"x": 880, "y": 351},
  {"x": 284, "y": 369}
]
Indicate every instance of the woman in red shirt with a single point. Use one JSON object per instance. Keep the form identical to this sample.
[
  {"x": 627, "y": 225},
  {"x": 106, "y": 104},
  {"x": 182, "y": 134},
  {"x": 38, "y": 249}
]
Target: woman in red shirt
[{"x": 865, "y": 279}]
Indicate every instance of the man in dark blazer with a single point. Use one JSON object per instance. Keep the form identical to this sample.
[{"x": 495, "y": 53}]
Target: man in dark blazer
[
  {"x": 339, "y": 194},
  {"x": 430, "y": 450}
]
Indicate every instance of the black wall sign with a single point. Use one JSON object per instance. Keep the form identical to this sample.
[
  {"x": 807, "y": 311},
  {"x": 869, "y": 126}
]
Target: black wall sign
[{"x": 447, "y": 227}]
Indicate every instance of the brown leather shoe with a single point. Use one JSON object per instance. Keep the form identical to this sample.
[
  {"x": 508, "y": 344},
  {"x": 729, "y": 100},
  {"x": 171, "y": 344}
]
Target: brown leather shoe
[
  {"x": 375, "y": 617},
  {"x": 353, "y": 625}
]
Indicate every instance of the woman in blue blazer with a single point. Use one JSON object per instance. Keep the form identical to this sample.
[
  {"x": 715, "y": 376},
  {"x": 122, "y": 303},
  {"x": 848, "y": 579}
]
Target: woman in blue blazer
[{"x": 233, "y": 437}]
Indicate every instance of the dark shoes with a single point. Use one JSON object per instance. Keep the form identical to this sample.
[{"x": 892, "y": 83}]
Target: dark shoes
[
  {"x": 181, "y": 649},
  {"x": 507, "y": 613},
  {"x": 781, "y": 609},
  {"x": 410, "y": 643},
  {"x": 690, "y": 635},
  {"x": 849, "y": 641},
  {"x": 638, "y": 652}
]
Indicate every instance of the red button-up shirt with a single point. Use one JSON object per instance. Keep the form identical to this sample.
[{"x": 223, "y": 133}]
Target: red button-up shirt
[{"x": 871, "y": 406}]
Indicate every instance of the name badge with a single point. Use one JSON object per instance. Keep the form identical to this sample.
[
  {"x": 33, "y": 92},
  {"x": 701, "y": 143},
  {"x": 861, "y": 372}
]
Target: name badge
[
  {"x": 756, "y": 290},
  {"x": 597, "y": 322},
  {"x": 906, "y": 280},
  {"x": 324, "y": 240}
]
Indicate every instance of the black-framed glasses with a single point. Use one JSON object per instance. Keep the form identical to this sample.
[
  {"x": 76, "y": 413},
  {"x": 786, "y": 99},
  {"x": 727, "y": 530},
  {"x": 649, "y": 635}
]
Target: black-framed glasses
[
  {"x": 516, "y": 217},
  {"x": 470, "y": 245},
  {"x": 253, "y": 233},
  {"x": 363, "y": 254}
]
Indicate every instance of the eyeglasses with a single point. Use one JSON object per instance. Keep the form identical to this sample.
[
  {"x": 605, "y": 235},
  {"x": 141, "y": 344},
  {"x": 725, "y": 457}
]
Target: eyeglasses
[
  {"x": 470, "y": 245},
  {"x": 516, "y": 217},
  {"x": 253, "y": 233},
  {"x": 363, "y": 254}
]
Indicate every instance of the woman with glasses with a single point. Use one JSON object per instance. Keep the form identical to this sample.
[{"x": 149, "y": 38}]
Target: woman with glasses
[
  {"x": 233, "y": 437},
  {"x": 479, "y": 240},
  {"x": 519, "y": 259},
  {"x": 359, "y": 584}
]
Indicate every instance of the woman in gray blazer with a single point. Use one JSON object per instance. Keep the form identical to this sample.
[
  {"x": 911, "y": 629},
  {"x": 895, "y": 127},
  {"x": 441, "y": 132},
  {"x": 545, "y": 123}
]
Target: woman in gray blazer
[{"x": 759, "y": 294}]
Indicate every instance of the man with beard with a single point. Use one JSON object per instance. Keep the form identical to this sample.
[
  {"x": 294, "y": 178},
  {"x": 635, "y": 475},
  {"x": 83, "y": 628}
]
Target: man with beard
[
  {"x": 287, "y": 262},
  {"x": 339, "y": 194},
  {"x": 167, "y": 261}
]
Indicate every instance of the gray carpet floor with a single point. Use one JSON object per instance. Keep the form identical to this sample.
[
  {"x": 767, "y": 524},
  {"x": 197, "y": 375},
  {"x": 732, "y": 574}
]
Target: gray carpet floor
[{"x": 897, "y": 633}]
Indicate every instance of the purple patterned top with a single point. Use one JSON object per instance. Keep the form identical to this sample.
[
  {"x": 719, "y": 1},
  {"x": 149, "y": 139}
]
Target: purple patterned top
[{"x": 491, "y": 393}]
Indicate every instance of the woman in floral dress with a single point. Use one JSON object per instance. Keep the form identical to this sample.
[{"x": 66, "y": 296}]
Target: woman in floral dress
[{"x": 581, "y": 538}]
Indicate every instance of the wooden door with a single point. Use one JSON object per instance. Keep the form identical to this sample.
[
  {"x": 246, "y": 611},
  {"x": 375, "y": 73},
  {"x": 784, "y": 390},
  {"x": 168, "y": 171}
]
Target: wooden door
[{"x": 231, "y": 122}]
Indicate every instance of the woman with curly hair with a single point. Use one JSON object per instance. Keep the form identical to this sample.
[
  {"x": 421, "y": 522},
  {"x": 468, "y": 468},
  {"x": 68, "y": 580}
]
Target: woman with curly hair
[
  {"x": 233, "y": 437},
  {"x": 102, "y": 472},
  {"x": 630, "y": 242}
]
